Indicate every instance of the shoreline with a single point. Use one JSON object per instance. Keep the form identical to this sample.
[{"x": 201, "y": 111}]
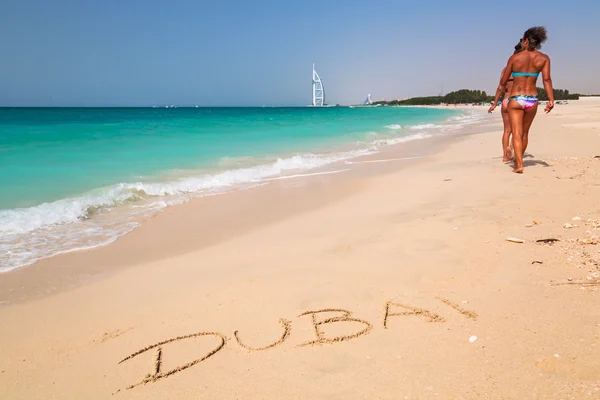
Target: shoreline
[{"x": 394, "y": 278}]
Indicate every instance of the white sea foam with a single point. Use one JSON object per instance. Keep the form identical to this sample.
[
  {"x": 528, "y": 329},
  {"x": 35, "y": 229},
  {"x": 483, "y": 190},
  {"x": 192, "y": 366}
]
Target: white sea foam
[
  {"x": 425, "y": 126},
  {"x": 451, "y": 125},
  {"x": 394, "y": 126},
  {"x": 400, "y": 139},
  {"x": 467, "y": 118},
  {"x": 69, "y": 210}
]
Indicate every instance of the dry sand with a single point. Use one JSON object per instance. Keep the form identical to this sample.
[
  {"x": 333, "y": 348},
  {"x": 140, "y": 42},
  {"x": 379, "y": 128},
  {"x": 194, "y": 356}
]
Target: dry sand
[{"x": 392, "y": 280}]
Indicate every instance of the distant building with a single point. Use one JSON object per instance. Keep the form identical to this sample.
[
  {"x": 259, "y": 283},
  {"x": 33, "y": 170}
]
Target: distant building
[{"x": 318, "y": 94}]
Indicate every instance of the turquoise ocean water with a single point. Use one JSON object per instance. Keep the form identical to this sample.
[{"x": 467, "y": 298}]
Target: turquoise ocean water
[{"x": 73, "y": 178}]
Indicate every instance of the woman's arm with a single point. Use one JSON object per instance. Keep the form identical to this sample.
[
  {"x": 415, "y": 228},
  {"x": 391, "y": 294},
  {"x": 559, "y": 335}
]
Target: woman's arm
[
  {"x": 504, "y": 77},
  {"x": 500, "y": 88},
  {"x": 548, "y": 86}
]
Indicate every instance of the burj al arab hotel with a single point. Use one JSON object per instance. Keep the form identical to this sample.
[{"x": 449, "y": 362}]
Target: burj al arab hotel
[{"x": 318, "y": 92}]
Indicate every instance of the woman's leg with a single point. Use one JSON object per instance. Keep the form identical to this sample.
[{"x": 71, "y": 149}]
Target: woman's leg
[
  {"x": 506, "y": 148},
  {"x": 515, "y": 114},
  {"x": 527, "y": 120}
]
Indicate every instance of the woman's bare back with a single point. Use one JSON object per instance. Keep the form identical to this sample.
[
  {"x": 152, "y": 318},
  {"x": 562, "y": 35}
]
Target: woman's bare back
[{"x": 527, "y": 61}]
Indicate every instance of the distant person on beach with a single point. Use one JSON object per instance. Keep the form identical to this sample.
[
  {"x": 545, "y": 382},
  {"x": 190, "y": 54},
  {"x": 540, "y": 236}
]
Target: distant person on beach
[
  {"x": 525, "y": 66},
  {"x": 507, "y": 150}
]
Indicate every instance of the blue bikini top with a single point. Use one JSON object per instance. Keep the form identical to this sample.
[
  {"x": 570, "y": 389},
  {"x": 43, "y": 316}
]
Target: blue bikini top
[{"x": 526, "y": 74}]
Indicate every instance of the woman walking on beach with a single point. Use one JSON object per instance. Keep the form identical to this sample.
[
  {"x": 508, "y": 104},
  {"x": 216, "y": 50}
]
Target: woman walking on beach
[
  {"x": 525, "y": 66},
  {"x": 507, "y": 150}
]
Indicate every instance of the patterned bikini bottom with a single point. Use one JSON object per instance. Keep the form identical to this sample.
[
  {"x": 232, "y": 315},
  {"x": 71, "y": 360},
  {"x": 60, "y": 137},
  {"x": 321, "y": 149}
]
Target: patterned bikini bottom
[{"x": 525, "y": 101}]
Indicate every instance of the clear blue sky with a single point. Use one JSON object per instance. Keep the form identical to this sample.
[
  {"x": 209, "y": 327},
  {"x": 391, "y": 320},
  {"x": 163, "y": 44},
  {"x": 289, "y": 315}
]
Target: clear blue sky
[{"x": 245, "y": 52}]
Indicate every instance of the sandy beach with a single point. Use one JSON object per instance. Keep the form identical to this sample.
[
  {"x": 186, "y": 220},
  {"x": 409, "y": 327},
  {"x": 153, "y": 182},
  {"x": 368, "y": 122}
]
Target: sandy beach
[{"x": 389, "y": 279}]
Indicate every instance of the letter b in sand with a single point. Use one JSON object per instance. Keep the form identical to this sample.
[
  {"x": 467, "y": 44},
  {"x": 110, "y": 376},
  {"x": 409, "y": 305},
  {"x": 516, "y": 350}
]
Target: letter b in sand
[{"x": 345, "y": 317}]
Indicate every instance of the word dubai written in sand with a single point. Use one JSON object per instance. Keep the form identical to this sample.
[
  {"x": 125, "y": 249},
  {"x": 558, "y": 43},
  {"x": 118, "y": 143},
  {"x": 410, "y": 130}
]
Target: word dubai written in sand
[{"x": 392, "y": 309}]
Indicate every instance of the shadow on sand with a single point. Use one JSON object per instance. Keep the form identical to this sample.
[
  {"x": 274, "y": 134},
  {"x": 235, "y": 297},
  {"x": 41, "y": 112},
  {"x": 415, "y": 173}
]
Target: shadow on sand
[{"x": 530, "y": 161}]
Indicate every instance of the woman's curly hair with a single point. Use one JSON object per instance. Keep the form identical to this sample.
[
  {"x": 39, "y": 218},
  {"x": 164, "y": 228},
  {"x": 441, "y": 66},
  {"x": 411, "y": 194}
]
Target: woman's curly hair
[{"x": 536, "y": 35}]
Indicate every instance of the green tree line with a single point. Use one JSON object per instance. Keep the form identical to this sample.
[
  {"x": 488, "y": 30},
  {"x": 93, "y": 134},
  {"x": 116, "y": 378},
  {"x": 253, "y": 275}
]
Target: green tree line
[
  {"x": 559, "y": 94},
  {"x": 457, "y": 97},
  {"x": 466, "y": 96}
]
